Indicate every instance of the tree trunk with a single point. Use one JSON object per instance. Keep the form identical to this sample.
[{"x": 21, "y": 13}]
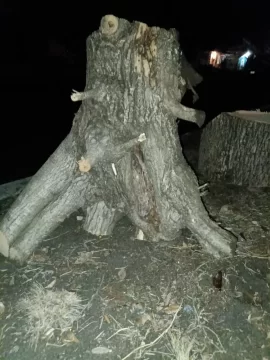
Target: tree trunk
[
  {"x": 123, "y": 155},
  {"x": 235, "y": 149}
]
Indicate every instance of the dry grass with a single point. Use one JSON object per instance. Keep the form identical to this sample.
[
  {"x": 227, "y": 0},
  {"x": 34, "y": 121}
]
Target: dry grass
[
  {"x": 48, "y": 311},
  {"x": 182, "y": 347},
  {"x": 195, "y": 341}
]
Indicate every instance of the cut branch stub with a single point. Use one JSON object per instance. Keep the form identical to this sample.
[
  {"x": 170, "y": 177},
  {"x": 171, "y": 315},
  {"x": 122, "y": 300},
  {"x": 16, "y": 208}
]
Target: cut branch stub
[
  {"x": 84, "y": 165},
  {"x": 185, "y": 113},
  {"x": 109, "y": 25}
]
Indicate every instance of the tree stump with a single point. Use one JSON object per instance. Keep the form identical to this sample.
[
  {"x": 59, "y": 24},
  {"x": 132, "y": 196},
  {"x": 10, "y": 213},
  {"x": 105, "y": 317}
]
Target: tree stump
[
  {"x": 235, "y": 149},
  {"x": 123, "y": 154}
]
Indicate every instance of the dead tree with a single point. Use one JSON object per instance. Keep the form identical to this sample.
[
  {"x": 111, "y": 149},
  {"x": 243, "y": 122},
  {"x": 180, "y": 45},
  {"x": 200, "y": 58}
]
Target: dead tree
[
  {"x": 122, "y": 155},
  {"x": 235, "y": 149}
]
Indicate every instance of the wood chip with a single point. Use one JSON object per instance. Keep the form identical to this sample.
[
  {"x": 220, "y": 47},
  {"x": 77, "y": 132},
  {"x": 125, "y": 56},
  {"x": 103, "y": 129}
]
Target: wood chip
[
  {"x": 122, "y": 274},
  {"x": 100, "y": 350}
]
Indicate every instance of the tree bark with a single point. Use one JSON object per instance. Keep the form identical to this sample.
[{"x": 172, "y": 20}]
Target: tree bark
[
  {"x": 123, "y": 155},
  {"x": 235, "y": 149}
]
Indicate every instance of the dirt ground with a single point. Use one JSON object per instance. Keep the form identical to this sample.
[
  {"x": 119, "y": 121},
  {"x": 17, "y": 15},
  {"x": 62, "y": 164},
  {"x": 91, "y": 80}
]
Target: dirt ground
[{"x": 139, "y": 300}]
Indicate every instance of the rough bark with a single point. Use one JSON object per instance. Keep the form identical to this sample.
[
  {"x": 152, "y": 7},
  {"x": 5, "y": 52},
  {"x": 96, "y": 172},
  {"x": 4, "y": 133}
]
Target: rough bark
[
  {"x": 235, "y": 149},
  {"x": 123, "y": 155}
]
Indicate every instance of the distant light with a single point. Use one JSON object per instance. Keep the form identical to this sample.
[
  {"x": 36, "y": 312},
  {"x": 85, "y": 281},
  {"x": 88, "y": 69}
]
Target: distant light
[
  {"x": 252, "y": 72},
  {"x": 213, "y": 55},
  {"x": 247, "y": 54}
]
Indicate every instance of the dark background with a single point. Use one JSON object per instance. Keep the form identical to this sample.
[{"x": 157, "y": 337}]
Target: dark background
[{"x": 43, "y": 59}]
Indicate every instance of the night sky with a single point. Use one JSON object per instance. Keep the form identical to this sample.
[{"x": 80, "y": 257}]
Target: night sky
[{"x": 43, "y": 59}]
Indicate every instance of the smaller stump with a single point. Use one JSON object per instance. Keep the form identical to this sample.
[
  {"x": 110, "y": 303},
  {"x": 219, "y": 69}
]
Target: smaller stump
[{"x": 235, "y": 149}]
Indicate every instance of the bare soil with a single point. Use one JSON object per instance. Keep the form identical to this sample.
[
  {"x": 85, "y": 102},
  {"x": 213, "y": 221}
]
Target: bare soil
[{"x": 152, "y": 301}]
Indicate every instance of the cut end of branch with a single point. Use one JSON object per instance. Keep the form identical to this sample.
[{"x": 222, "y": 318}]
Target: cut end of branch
[
  {"x": 185, "y": 113},
  {"x": 108, "y": 25},
  {"x": 84, "y": 165},
  {"x": 76, "y": 96},
  {"x": 4, "y": 246}
]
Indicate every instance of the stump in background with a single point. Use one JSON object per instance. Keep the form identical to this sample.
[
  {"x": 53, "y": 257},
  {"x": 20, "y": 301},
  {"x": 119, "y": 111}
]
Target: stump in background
[{"x": 235, "y": 149}]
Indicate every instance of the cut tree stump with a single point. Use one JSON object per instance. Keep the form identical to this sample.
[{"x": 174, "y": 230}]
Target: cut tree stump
[
  {"x": 122, "y": 156},
  {"x": 235, "y": 149}
]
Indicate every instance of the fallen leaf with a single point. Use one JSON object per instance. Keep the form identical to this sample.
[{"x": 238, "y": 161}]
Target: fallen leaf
[
  {"x": 122, "y": 274},
  {"x": 84, "y": 257},
  {"x": 71, "y": 338},
  {"x": 51, "y": 284},
  {"x": 137, "y": 308},
  {"x": 167, "y": 299},
  {"x": 143, "y": 319},
  {"x": 39, "y": 258},
  {"x": 171, "y": 309}
]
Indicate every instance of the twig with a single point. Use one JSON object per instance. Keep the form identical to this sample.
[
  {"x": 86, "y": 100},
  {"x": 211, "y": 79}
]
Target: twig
[
  {"x": 253, "y": 255},
  {"x": 55, "y": 345},
  {"x": 203, "y": 186},
  {"x": 86, "y": 326},
  {"x": 56, "y": 236},
  {"x": 118, "y": 331},
  {"x": 89, "y": 304},
  {"x": 99, "y": 335},
  {"x": 145, "y": 346}
]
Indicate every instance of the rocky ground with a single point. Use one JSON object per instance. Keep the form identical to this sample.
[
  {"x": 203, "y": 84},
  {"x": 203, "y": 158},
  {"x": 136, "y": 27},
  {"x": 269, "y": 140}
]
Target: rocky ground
[{"x": 85, "y": 297}]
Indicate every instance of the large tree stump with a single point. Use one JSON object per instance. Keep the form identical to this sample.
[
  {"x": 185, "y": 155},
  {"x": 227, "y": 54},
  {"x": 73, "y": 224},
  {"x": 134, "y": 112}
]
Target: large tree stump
[
  {"x": 123, "y": 155},
  {"x": 235, "y": 149}
]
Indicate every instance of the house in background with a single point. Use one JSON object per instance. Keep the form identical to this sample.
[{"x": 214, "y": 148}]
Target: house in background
[
  {"x": 234, "y": 58},
  {"x": 215, "y": 58},
  {"x": 242, "y": 61}
]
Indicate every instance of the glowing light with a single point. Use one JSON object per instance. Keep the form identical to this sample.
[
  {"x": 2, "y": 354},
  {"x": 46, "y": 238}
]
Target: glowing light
[
  {"x": 247, "y": 54},
  {"x": 213, "y": 55},
  {"x": 215, "y": 58}
]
